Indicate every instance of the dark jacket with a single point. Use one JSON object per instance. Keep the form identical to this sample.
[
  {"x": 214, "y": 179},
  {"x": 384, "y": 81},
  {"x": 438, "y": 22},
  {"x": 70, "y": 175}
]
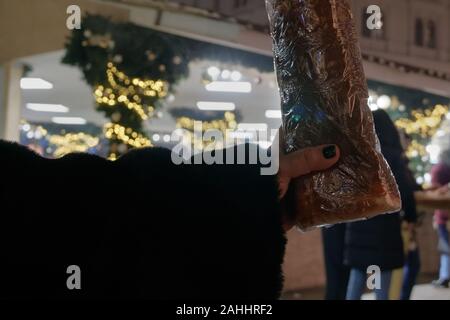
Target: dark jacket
[
  {"x": 378, "y": 241},
  {"x": 139, "y": 227}
]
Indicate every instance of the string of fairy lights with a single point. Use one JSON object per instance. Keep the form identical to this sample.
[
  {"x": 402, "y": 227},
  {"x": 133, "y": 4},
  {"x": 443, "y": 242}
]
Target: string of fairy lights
[
  {"x": 134, "y": 94},
  {"x": 225, "y": 125},
  {"x": 58, "y": 145},
  {"x": 72, "y": 142},
  {"x": 422, "y": 126},
  {"x": 128, "y": 92},
  {"x": 425, "y": 123},
  {"x": 126, "y": 135}
]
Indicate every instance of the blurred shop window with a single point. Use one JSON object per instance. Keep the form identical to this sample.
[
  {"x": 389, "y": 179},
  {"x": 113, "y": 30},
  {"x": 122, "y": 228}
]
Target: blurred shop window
[
  {"x": 418, "y": 33},
  {"x": 425, "y": 34},
  {"x": 431, "y": 34},
  {"x": 365, "y": 31}
]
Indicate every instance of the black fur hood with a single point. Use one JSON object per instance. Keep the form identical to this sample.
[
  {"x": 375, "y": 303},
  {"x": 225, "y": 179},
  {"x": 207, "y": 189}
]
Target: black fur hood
[{"x": 139, "y": 227}]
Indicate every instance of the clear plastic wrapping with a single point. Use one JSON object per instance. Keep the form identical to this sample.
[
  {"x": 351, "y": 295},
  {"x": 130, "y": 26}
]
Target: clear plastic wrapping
[{"x": 324, "y": 101}]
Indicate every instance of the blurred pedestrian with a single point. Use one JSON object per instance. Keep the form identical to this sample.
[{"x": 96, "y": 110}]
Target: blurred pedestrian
[
  {"x": 378, "y": 241},
  {"x": 336, "y": 272},
  {"x": 440, "y": 178},
  {"x": 411, "y": 268}
]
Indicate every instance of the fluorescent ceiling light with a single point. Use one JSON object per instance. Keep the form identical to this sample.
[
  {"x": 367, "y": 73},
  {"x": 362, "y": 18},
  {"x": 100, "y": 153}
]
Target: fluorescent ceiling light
[
  {"x": 226, "y": 86},
  {"x": 373, "y": 107},
  {"x": 384, "y": 102},
  {"x": 252, "y": 126},
  {"x": 236, "y": 76},
  {"x": 214, "y": 72},
  {"x": 226, "y": 74},
  {"x": 69, "y": 120},
  {"x": 45, "y": 107},
  {"x": 216, "y": 106},
  {"x": 273, "y": 114},
  {"x": 35, "y": 83}
]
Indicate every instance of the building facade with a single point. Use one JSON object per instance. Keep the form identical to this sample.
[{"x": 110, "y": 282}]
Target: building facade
[
  {"x": 414, "y": 37},
  {"x": 419, "y": 28}
]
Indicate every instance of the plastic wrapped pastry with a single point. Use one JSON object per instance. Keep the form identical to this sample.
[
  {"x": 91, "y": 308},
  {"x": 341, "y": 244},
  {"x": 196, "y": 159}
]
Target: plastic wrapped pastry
[{"x": 324, "y": 101}]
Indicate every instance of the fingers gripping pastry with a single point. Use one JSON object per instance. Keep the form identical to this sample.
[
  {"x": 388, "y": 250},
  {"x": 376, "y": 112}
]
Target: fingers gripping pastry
[{"x": 324, "y": 101}]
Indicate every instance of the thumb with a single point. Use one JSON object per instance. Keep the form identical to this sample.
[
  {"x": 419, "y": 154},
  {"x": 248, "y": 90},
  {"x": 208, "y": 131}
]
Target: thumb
[{"x": 308, "y": 160}]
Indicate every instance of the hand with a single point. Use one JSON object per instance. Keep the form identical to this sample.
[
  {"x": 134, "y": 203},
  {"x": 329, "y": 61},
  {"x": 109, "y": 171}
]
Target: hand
[
  {"x": 442, "y": 190},
  {"x": 300, "y": 163}
]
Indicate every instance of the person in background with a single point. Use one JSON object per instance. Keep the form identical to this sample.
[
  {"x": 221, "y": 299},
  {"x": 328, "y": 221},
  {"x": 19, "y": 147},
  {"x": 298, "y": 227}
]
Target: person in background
[
  {"x": 411, "y": 268},
  {"x": 440, "y": 178},
  {"x": 337, "y": 273},
  {"x": 378, "y": 241}
]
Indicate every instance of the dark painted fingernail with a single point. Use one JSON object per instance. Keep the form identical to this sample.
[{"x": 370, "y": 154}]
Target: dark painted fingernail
[{"x": 329, "y": 152}]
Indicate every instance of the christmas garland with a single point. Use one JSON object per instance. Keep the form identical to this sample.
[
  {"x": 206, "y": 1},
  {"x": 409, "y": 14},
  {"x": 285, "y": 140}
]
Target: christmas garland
[{"x": 132, "y": 69}]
